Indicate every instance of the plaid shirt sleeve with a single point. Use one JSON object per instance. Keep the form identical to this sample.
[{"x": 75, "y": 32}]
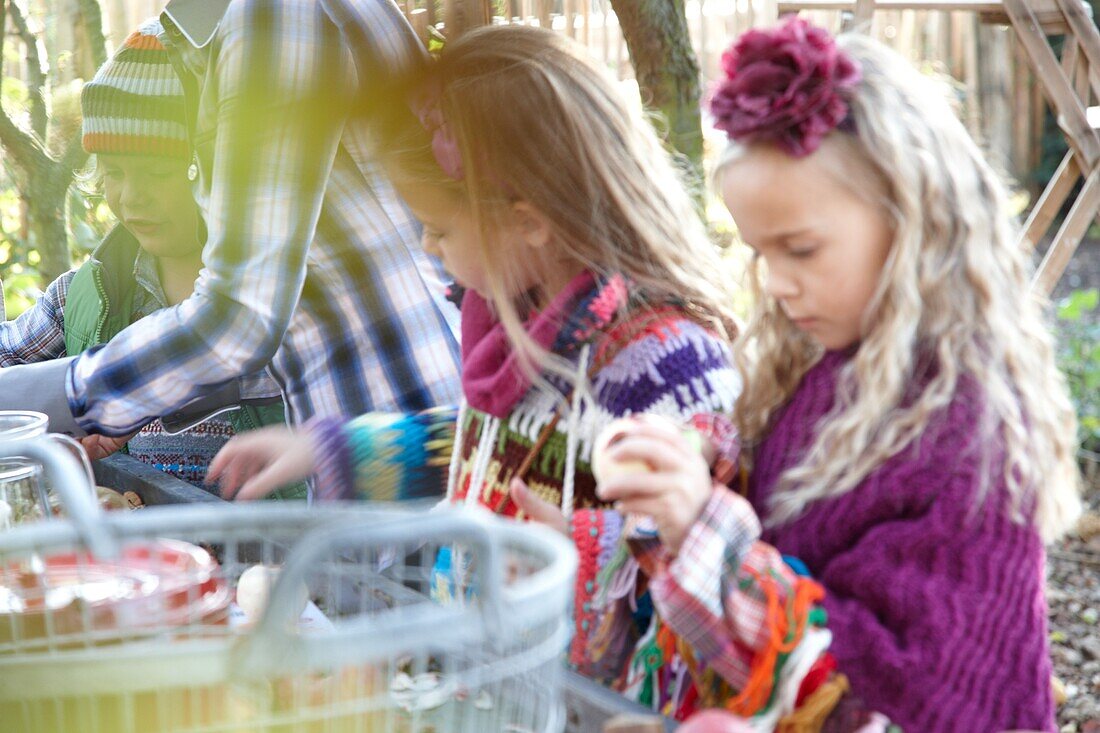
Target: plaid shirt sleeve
[
  {"x": 707, "y": 593},
  {"x": 280, "y": 78},
  {"x": 39, "y": 333}
]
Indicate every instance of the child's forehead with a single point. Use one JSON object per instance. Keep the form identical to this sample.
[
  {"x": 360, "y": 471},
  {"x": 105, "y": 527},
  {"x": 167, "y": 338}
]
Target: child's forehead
[
  {"x": 775, "y": 179},
  {"x": 430, "y": 202},
  {"x": 769, "y": 180},
  {"x": 766, "y": 160}
]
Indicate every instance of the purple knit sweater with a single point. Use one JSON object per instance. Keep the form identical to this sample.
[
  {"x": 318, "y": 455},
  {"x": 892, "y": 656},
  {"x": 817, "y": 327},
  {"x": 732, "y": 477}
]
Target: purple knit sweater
[{"x": 937, "y": 610}]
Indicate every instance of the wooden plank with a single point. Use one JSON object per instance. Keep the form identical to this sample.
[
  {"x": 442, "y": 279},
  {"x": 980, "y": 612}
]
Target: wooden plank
[
  {"x": 1076, "y": 68},
  {"x": 1050, "y": 202},
  {"x": 972, "y": 77},
  {"x": 1070, "y": 110},
  {"x": 1082, "y": 27},
  {"x": 419, "y": 21},
  {"x": 1021, "y": 110},
  {"x": 1047, "y": 11},
  {"x": 974, "y": 6},
  {"x": 994, "y": 94},
  {"x": 959, "y": 23},
  {"x": 1039, "y": 108},
  {"x": 862, "y": 16},
  {"x": 977, "y": 6},
  {"x": 1070, "y": 234},
  {"x": 1080, "y": 79},
  {"x": 460, "y": 16},
  {"x": 125, "y": 473},
  {"x": 589, "y": 705},
  {"x": 1069, "y": 57}
]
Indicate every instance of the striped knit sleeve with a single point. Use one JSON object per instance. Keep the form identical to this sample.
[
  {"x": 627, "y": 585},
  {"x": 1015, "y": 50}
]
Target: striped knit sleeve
[
  {"x": 383, "y": 456},
  {"x": 674, "y": 367}
]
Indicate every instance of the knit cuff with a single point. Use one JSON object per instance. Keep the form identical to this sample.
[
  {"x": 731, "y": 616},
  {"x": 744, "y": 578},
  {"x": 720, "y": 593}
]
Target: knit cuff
[{"x": 332, "y": 474}]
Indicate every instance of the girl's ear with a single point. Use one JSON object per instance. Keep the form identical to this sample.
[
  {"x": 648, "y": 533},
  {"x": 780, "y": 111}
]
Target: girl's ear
[{"x": 531, "y": 224}]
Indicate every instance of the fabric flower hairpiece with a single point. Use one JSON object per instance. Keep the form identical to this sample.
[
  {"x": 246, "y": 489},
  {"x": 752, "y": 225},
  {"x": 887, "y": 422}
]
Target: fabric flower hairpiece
[
  {"x": 784, "y": 85},
  {"x": 426, "y": 107}
]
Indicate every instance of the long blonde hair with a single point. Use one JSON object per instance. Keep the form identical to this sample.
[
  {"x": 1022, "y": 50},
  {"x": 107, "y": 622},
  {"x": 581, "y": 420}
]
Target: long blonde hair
[
  {"x": 954, "y": 289},
  {"x": 537, "y": 120}
]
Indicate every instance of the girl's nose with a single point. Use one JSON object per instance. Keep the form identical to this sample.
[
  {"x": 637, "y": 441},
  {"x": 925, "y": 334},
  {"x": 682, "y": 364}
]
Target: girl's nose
[{"x": 780, "y": 283}]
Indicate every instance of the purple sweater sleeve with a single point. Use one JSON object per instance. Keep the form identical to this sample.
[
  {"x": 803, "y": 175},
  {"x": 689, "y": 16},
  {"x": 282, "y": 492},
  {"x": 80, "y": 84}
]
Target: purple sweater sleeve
[{"x": 934, "y": 593}]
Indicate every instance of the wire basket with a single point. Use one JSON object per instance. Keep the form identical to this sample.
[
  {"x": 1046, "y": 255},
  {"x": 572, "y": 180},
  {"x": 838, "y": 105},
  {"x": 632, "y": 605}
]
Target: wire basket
[{"x": 122, "y": 622}]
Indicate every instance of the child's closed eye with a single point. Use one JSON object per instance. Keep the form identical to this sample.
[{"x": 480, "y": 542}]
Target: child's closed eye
[{"x": 802, "y": 249}]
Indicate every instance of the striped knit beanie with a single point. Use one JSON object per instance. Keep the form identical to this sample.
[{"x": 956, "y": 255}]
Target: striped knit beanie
[{"x": 134, "y": 104}]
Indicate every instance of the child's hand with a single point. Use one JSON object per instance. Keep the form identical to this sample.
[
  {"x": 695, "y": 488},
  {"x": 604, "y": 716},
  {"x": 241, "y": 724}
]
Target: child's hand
[
  {"x": 536, "y": 509},
  {"x": 254, "y": 464},
  {"x": 675, "y": 488},
  {"x": 101, "y": 446}
]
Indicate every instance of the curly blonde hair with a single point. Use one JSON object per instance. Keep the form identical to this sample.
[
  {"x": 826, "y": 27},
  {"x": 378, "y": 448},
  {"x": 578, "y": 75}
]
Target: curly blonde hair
[
  {"x": 535, "y": 119},
  {"x": 954, "y": 287}
]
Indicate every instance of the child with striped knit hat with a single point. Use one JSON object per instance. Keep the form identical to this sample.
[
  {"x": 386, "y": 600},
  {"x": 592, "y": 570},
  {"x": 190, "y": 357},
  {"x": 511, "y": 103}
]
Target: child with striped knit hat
[{"x": 134, "y": 122}]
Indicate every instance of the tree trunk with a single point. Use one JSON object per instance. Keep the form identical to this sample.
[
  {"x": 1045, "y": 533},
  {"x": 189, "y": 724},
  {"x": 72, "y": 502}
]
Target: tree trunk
[
  {"x": 47, "y": 228},
  {"x": 45, "y": 174},
  {"x": 667, "y": 71}
]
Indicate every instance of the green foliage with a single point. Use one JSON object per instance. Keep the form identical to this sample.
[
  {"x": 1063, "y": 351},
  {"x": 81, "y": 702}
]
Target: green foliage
[
  {"x": 1079, "y": 360},
  {"x": 89, "y": 219}
]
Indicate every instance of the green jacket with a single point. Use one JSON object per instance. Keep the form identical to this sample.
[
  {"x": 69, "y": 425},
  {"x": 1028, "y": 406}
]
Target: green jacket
[{"x": 100, "y": 304}]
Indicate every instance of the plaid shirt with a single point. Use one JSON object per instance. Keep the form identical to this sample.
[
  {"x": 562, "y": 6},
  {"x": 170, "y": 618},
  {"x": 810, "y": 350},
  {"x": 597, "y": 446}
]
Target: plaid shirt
[
  {"x": 311, "y": 261},
  {"x": 711, "y": 595},
  {"x": 706, "y": 593},
  {"x": 39, "y": 333}
]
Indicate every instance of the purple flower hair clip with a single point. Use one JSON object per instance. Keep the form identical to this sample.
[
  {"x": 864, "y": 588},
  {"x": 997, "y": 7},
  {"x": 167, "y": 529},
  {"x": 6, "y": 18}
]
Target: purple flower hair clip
[
  {"x": 425, "y": 105},
  {"x": 785, "y": 85}
]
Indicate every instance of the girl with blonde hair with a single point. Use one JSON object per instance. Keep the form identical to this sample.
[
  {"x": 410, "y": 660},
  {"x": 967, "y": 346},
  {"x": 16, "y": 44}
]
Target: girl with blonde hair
[
  {"x": 905, "y": 431},
  {"x": 591, "y": 292}
]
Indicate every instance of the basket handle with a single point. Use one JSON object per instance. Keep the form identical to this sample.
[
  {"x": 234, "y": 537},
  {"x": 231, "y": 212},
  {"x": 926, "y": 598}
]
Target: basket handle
[
  {"x": 71, "y": 482},
  {"x": 272, "y": 645}
]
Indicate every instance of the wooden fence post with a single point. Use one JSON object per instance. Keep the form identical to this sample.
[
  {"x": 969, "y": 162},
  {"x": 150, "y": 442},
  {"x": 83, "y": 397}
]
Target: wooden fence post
[
  {"x": 462, "y": 15},
  {"x": 419, "y": 20}
]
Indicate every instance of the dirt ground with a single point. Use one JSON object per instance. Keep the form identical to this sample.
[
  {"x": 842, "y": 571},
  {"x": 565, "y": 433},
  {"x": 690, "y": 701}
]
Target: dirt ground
[{"x": 1073, "y": 565}]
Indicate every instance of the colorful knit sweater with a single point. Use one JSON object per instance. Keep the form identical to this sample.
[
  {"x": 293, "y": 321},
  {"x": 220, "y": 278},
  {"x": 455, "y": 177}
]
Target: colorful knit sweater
[
  {"x": 657, "y": 358},
  {"x": 936, "y": 605},
  {"x": 731, "y": 618}
]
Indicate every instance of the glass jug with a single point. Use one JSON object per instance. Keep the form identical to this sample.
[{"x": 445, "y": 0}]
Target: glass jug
[{"x": 25, "y": 492}]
